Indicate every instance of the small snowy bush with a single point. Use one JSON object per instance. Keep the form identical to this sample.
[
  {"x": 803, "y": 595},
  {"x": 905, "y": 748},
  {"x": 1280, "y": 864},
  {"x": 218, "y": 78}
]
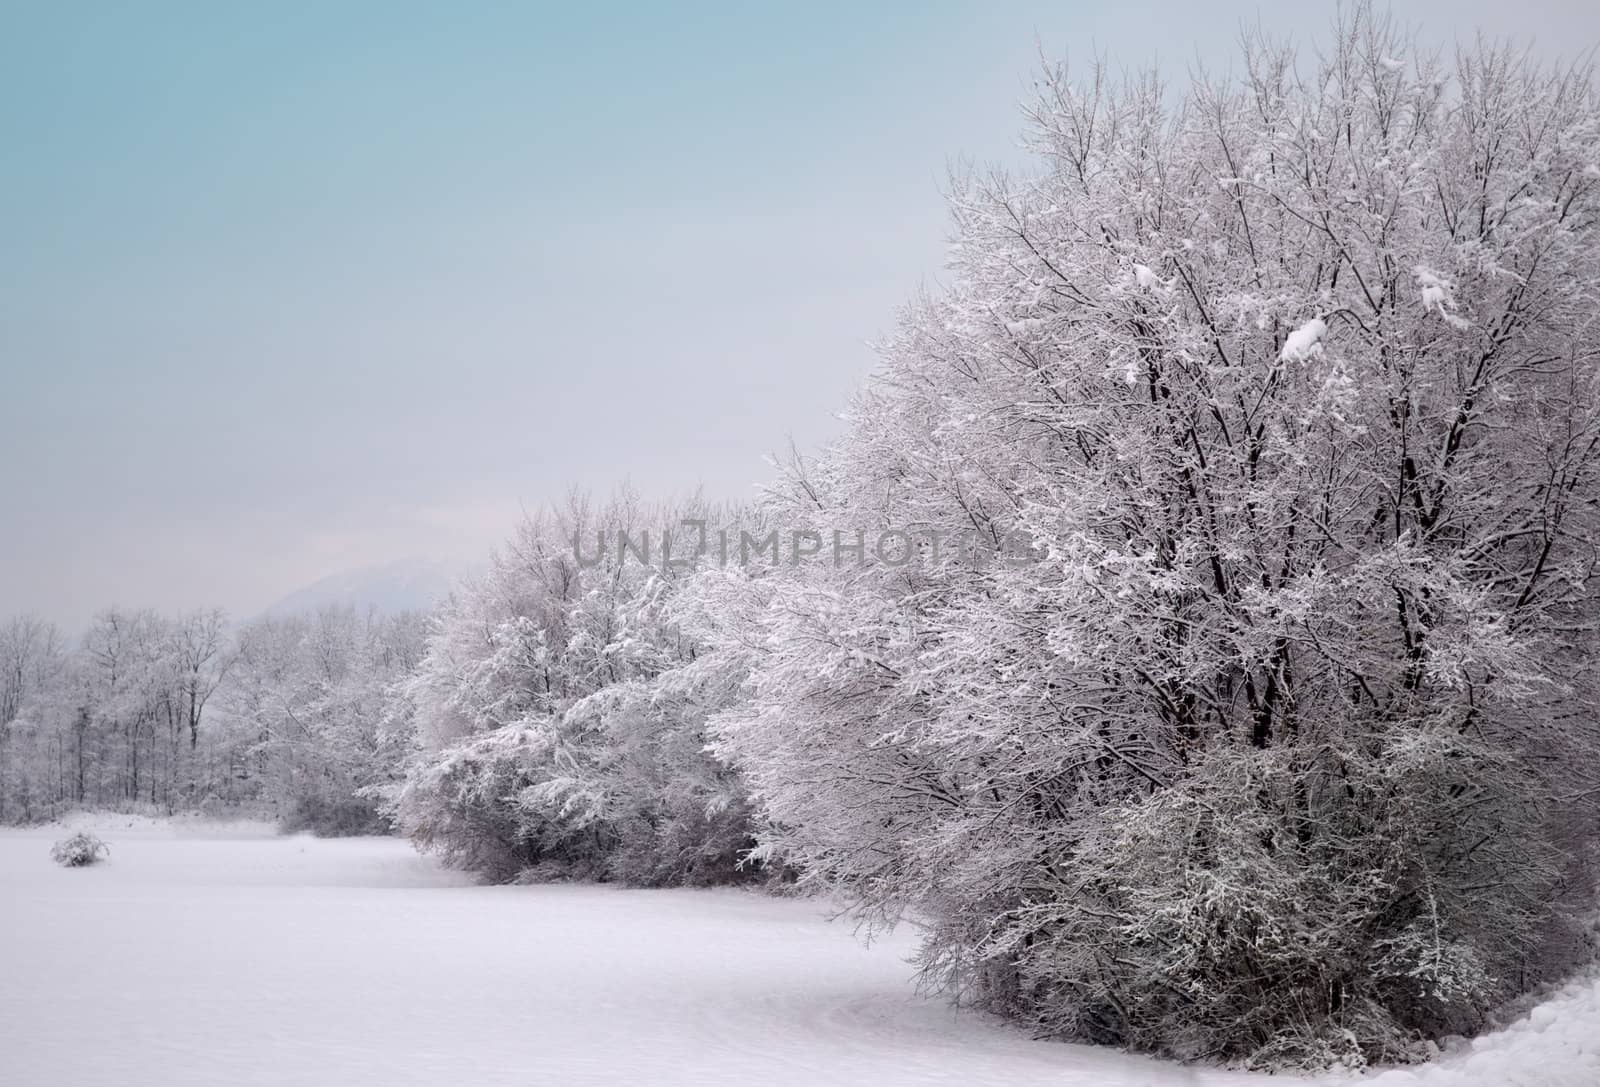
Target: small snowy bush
[{"x": 79, "y": 850}]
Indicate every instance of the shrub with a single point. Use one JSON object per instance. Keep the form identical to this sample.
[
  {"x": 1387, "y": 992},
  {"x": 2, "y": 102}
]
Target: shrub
[
  {"x": 334, "y": 817},
  {"x": 79, "y": 851}
]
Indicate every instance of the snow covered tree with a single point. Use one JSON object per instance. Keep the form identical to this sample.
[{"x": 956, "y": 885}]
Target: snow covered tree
[
  {"x": 558, "y": 718},
  {"x": 200, "y": 663},
  {"x": 1228, "y": 693},
  {"x": 33, "y": 663},
  {"x": 310, "y": 694},
  {"x": 126, "y": 677}
]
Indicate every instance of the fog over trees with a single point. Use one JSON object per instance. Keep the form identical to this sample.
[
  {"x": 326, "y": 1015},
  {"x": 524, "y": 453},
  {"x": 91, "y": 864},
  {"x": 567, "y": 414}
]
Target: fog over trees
[{"x": 1214, "y": 672}]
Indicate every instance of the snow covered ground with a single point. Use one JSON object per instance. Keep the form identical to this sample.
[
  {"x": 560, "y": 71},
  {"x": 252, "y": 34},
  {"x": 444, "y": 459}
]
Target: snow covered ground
[{"x": 221, "y": 956}]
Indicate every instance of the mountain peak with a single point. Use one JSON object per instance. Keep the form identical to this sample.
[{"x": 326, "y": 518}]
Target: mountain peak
[{"x": 413, "y": 584}]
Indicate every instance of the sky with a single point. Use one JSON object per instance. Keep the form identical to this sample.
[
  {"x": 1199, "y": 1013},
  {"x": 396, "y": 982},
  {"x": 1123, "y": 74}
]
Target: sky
[{"x": 291, "y": 289}]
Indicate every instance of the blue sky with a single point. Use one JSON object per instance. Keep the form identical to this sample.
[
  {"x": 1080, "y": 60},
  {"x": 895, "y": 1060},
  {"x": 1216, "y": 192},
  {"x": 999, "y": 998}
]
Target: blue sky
[{"x": 287, "y": 289}]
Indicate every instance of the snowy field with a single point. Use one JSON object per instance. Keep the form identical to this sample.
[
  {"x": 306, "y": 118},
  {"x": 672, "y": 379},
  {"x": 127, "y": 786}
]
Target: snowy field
[{"x": 221, "y": 956}]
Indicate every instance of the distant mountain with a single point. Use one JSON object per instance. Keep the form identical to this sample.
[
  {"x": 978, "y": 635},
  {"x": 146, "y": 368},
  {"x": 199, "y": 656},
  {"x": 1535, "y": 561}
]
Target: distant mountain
[{"x": 406, "y": 585}]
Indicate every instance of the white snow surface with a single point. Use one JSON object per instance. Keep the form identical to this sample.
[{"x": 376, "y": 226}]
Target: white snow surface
[
  {"x": 1147, "y": 279},
  {"x": 222, "y": 956},
  {"x": 1304, "y": 342},
  {"x": 1438, "y": 295}
]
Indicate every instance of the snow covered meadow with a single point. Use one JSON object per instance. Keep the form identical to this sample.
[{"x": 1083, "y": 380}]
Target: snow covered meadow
[
  {"x": 225, "y": 955},
  {"x": 212, "y": 954}
]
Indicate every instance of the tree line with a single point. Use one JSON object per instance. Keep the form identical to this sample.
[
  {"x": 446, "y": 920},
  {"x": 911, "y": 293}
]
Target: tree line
[{"x": 145, "y": 711}]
